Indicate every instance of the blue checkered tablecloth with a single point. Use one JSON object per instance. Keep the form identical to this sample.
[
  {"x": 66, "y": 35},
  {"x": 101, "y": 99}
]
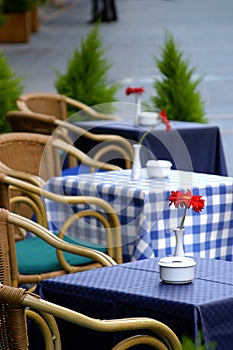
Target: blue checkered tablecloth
[{"x": 146, "y": 219}]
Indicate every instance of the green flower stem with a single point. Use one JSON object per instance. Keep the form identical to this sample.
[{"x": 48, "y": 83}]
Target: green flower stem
[
  {"x": 183, "y": 218},
  {"x": 147, "y": 132}
]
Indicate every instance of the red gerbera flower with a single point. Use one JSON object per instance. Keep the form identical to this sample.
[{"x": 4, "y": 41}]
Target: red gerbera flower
[{"x": 186, "y": 200}]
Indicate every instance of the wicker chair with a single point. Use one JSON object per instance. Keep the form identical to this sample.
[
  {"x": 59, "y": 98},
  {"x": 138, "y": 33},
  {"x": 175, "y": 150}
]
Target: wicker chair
[
  {"x": 35, "y": 158},
  {"x": 26, "y": 197},
  {"x": 17, "y": 303},
  {"x": 103, "y": 145},
  {"x": 33, "y": 195},
  {"x": 57, "y": 105},
  {"x": 30, "y": 264}
]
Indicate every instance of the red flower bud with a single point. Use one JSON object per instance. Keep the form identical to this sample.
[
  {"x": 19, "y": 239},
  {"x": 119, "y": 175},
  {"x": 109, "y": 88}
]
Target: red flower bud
[
  {"x": 130, "y": 90},
  {"x": 164, "y": 120}
]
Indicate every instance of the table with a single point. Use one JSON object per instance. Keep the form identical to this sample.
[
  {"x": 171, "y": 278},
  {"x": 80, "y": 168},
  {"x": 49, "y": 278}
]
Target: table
[
  {"x": 198, "y": 147},
  {"x": 145, "y": 215},
  {"x": 135, "y": 289}
]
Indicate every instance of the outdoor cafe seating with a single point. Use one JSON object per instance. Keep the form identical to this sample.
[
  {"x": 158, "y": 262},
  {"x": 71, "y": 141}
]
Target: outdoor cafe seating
[
  {"x": 21, "y": 310},
  {"x": 144, "y": 222}
]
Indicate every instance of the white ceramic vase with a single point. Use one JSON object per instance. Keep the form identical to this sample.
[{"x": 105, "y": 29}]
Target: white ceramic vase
[
  {"x": 137, "y": 110},
  {"x": 179, "y": 247},
  {"x": 136, "y": 167}
]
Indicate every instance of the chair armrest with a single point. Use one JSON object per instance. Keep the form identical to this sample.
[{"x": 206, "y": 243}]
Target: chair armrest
[
  {"x": 119, "y": 140},
  {"x": 82, "y": 157},
  {"x": 58, "y": 243},
  {"x": 166, "y": 338}
]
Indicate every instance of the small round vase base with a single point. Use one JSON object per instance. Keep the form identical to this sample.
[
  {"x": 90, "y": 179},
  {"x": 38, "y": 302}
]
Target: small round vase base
[{"x": 176, "y": 269}]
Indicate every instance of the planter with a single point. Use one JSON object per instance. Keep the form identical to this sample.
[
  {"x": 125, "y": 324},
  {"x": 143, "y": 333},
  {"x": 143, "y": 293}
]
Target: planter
[{"x": 16, "y": 28}]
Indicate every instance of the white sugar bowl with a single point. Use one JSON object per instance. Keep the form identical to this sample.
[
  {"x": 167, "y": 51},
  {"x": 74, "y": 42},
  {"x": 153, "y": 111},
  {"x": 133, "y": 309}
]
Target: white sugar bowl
[
  {"x": 177, "y": 269},
  {"x": 148, "y": 118},
  {"x": 158, "y": 168}
]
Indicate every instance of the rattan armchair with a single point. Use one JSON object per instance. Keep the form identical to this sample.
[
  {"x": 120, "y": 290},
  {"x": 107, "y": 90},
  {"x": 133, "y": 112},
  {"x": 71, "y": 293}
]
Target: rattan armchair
[
  {"x": 22, "y": 192},
  {"x": 53, "y": 257},
  {"x": 103, "y": 145},
  {"x": 33, "y": 196},
  {"x": 17, "y": 303},
  {"x": 35, "y": 158},
  {"x": 57, "y": 105}
]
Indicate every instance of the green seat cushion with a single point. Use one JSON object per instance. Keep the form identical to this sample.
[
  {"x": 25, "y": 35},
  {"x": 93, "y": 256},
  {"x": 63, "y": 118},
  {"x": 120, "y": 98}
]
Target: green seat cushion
[{"x": 35, "y": 256}]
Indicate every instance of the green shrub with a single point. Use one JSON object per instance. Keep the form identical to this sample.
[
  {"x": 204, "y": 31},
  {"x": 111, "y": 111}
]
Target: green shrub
[
  {"x": 176, "y": 92},
  {"x": 188, "y": 343},
  {"x": 14, "y": 6},
  {"x": 10, "y": 89},
  {"x": 86, "y": 77}
]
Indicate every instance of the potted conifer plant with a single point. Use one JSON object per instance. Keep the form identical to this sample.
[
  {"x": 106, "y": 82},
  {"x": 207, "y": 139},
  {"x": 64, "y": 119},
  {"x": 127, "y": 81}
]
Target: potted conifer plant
[
  {"x": 176, "y": 90},
  {"x": 86, "y": 76}
]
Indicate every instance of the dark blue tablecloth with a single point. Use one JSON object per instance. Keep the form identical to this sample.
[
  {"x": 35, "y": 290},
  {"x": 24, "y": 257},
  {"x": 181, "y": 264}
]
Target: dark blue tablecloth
[
  {"x": 190, "y": 146},
  {"x": 135, "y": 289}
]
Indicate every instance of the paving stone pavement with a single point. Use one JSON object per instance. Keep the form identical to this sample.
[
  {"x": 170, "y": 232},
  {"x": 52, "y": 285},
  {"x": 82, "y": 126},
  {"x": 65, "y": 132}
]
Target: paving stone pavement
[{"x": 202, "y": 29}]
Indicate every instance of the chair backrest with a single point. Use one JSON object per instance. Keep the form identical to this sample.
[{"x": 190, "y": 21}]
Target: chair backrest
[
  {"x": 14, "y": 301},
  {"x": 58, "y": 105},
  {"x": 23, "y": 121},
  {"x": 45, "y": 103},
  {"x": 24, "y": 151}
]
